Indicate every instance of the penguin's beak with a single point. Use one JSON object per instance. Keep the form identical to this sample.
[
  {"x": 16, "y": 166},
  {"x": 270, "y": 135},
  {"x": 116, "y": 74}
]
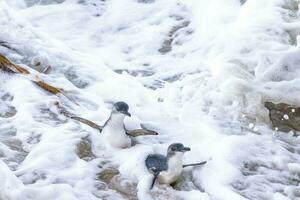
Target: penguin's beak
[
  {"x": 186, "y": 149},
  {"x": 127, "y": 113}
]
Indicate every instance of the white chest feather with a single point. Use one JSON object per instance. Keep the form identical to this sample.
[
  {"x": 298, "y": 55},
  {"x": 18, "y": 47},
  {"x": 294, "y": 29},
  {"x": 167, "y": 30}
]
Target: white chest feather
[
  {"x": 174, "y": 170},
  {"x": 114, "y": 133}
]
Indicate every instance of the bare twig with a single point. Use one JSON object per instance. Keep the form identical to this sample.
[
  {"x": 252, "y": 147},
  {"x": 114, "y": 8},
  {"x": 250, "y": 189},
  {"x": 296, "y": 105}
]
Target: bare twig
[
  {"x": 87, "y": 122},
  {"x": 47, "y": 70},
  {"x": 74, "y": 117}
]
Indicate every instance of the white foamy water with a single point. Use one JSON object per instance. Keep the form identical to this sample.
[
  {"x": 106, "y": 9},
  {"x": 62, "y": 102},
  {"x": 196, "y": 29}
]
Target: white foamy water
[{"x": 196, "y": 71}]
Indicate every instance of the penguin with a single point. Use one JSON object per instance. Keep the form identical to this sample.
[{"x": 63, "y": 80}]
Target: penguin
[
  {"x": 167, "y": 169},
  {"x": 113, "y": 131}
]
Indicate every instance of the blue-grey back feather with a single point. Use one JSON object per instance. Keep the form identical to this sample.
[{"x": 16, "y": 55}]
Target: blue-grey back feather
[{"x": 156, "y": 163}]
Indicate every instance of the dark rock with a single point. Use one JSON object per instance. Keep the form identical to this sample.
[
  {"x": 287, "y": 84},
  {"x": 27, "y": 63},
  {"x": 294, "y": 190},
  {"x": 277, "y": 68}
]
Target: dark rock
[
  {"x": 9, "y": 111},
  {"x": 155, "y": 84},
  {"x": 284, "y": 117},
  {"x": 7, "y": 97},
  {"x": 125, "y": 187},
  {"x": 167, "y": 44},
  {"x": 47, "y": 116},
  {"x": 174, "y": 78},
  {"x": 290, "y": 14},
  {"x": 146, "y": 1},
  {"x": 17, "y": 147},
  {"x": 112, "y": 178},
  {"x": 135, "y": 73},
  {"x": 107, "y": 174},
  {"x": 187, "y": 182},
  {"x": 42, "y": 2},
  {"x": 72, "y": 76},
  {"x": 243, "y": 1},
  {"x": 84, "y": 150}
]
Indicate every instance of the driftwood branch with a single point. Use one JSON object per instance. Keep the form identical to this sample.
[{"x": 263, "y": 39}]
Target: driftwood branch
[
  {"x": 47, "y": 87},
  {"x": 132, "y": 133},
  {"x": 9, "y": 67},
  {"x": 74, "y": 117}
]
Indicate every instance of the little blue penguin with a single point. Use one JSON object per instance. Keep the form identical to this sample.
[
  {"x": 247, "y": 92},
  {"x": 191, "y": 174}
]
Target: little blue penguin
[
  {"x": 114, "y": 131},
  {"x": 167, "y": 169}
]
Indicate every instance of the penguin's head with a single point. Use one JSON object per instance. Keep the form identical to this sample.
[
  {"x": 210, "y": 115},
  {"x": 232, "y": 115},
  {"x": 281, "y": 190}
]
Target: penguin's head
[
  {"x": 177, "y": 148},
  {"x": 122, "y": 108}
]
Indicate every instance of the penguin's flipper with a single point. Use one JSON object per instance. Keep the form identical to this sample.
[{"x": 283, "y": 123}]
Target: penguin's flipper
[
  {"x": 195, "y": 164},
  {"x": 140, "y": 132}
]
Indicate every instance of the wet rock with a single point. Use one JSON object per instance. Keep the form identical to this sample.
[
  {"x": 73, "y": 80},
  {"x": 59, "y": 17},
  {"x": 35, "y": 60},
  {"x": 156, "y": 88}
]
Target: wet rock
[
  {"x": 42, "y": 2},
  {"x": 8, "y": 111},
  {"x": 187, "y": 183},
  {"x": 284, "y": 117},
  {"x": 165, "y": 192},
  {"x": 156, "y": 84},
  {"x": 291, "y": 5},
  {"x": 243, "y": 1},
  {"x": 140, "y": 73},
  {"x": 172, "y": 79},
  {"x": 34, "y": 138},
  {"x": 7, "y": 132},
  {"x": 146, "y": 1},
  {"x": 257, "y": 172},
  {"x": 33, "y": 177},
  {"x": 107, "y": 174},
  {"x": 6, "y": 97},
  {"x": 46, "y": 115},
  {"x": 16, "y": 153},
  {"x": 14, "y": 144},
  {"x": 167, "y": 44},
  {"x": 293, "y": 36},
  {"x": 290, "y": 14},
  {"x": 125, "y": 187},
  {"x": 250, "y": 168},
  {"x": 114, "y": 181},
  {"x": 75, "y": 79},
  {"x": 84, "y": 150},
  {"x": 96, "y": 7},
  {"x": 293, "y": 192}
]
